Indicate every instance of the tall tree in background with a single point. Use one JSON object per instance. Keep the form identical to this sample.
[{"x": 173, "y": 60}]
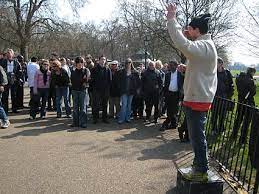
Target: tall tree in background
[
  {"x": 23, "y": 19},
  {"x": 148, "y": 18}
]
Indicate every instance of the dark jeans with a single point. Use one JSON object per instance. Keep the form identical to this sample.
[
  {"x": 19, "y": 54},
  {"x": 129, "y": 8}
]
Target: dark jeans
[
  {"x": 20, "y": 96},
  {"x": 62, "y": 92},
  {"x": 100, "y": 102},
  {"x": 172, "y": 104},
  {"x": 152, "y": 100},
  {"x": 196, "y": 128},
  {"x": 5, "y": 97},
  {"x": 244, "y": 114},
  {"x": 79, "y": 108},
  {"x": 43, "y": 97},
  {"x": 52, "y": 98},
  {"x": 138, "y": 106}
]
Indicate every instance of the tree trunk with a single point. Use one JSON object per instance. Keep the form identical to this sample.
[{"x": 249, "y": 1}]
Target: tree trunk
[{"x": 24, "y": 50}]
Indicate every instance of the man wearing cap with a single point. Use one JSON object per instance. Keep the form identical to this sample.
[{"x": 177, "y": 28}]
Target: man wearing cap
[
  {"x": 200, "y": 83},
  {"x": 114, "y": 99}
]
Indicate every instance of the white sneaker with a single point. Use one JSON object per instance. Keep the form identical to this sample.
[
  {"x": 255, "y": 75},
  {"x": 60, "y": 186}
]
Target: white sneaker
[{"x": 5, "y": 124}]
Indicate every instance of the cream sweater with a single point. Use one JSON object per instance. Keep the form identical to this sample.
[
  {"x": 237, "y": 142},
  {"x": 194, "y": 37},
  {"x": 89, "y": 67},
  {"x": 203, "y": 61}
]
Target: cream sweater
[{"x": 200, "y": 82}]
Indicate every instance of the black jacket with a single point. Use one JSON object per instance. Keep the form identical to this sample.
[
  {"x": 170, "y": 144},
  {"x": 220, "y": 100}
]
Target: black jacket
[
  {"x": 225, "y": 87},
  {"x": 115, "y": 91},
  {"x": 101, "y": 79},
  {"x": 128, "y": 87},
  {"x": 78, "y": 79},
  {"x": 180, "y": 79},
  {"x": 151, "y": 82},
  {"x": 254, "y": 141},
  {"x": 61, "y": 80},
  {"x": 17, "y": 70}
]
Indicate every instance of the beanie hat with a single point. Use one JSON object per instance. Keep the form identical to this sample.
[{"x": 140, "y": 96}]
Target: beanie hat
[{"x": 201, "y": 22}]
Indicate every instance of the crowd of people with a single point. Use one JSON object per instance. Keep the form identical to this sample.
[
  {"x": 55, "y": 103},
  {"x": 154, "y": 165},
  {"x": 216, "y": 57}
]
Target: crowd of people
[
  {"x": 128, "y": 91},
  {"x": 121, "y": 88}
]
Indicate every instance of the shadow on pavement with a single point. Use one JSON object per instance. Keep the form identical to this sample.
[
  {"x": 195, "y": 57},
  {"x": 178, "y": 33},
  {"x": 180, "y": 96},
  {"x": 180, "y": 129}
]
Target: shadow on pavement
[{"x": 172, "y": 191}]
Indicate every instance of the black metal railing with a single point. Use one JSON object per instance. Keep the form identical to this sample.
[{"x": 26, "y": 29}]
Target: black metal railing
[{"x": 232, "y": 131}]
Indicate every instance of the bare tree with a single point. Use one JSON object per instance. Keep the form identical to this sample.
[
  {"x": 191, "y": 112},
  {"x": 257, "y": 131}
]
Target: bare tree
[{"x": 25, "y": 19}]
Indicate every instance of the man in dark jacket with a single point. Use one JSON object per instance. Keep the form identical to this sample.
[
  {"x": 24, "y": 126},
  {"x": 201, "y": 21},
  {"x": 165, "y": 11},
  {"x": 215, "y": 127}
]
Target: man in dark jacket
[
  {"x": 15, "y": 76},
  {"x": 246, "y": 91},
  {"x": 114, "y": 99},
  {"x": 100, "y": 84},
  {"x": 152, "y": 85},
  {"x": 172, "y": 90},
  {"x": 225, "y": 89}
]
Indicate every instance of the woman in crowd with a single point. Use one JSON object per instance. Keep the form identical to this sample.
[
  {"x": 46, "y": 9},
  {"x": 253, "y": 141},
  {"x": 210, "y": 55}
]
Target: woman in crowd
[
  {"x": 79, "y": 78},
  {"x": 61, "y": 82},
  {"x": 129, "y": 80},
  {"x": 41, "y": 89}
]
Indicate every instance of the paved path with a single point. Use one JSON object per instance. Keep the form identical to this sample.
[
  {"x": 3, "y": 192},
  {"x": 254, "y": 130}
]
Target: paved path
[{"x": 42, "y": 157}]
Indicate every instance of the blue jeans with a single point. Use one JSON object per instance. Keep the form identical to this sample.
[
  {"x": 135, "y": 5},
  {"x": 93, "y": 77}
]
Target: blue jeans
[
  {"x": 196, "y": 128},
  {"x": 62, "y": 92},
  {"x": 3, "y": 115},
  {"x": 79, "y": 108},
  {"x": 125, "y": 111}
]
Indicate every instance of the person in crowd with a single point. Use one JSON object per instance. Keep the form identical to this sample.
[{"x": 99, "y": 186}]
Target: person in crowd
[
  {"x": 151, "y": 85},
  {"x": 20, "y": 88},
  {"x": 138, "y": 100},
  {"x": 159, "y": 67},
  {"x": 89, "y": 62},
  {"x": 114, "y": 99},
  {"x": 41, "y": 89},
  {"x": 165, "y": 68},
  {"x": 100, "y": 84},
  {"x": 200, "y": 83},
  {"x": 52, "y": 89},
  {"x": 14, "y": 75},
  {"x": 128, "y": 82},
  {"x": 61, "y": 83},
  {"x": 65, "y": 66},
  {"x": 32, "y": 68},
  {"x": 173, "y": 92},
  {"x": 246, "y": 89},
  {"x": 225, "y": 90},
  {"x": 3, "y": 82},
  {"x": 79, "y": 78}
]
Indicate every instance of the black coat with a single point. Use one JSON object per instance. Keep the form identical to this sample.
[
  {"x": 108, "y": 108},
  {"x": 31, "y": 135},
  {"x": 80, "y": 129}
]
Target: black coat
[
  {"x": 180, "y": 79},
  {"x": 61, "y": 80},
  {"x": 254, "y": 141},
  {"x": 115, "y": 90},
  {"x": 133, "y": 82},
  {"x": 17, "y": 70},
  {"x": 151, "y": 82},
  {"x": 101, "y": 79}
]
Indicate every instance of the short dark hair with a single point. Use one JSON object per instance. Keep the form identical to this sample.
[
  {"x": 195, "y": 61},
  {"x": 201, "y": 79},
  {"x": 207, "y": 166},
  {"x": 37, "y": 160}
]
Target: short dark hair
[
  {"x": 250, "y": 70},
  {"x": 34, "y": 59},
  {"x": 79, "y": 60},
  {"x": 173, "y": 62},
  {"x": 220, "y": 61}
]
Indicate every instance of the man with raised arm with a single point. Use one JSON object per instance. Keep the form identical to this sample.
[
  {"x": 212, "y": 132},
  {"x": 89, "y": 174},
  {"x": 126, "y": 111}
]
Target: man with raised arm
[{"x": 200, "y": 83}]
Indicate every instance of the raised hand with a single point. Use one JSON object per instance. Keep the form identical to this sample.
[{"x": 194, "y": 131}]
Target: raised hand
[{"x": 171, "y": 11}]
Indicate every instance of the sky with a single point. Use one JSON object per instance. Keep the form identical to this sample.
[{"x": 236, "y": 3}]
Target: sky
[{"x": 98, "y": 10}]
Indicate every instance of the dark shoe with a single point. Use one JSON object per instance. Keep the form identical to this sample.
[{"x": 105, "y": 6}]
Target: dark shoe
[
  {"x": 106, "y": 121},
  {"x": 95, "y": 121},
  {"x": 155, "y": 121},
  {"x": 72, "y": 130},
  {"x": 162, "y": 128},
  {"x": 15, "y": 111},
  {"x": 69, "y": 116},
  {"x": 58, "y": 116},
  {"x": 84, "y": 126}
]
